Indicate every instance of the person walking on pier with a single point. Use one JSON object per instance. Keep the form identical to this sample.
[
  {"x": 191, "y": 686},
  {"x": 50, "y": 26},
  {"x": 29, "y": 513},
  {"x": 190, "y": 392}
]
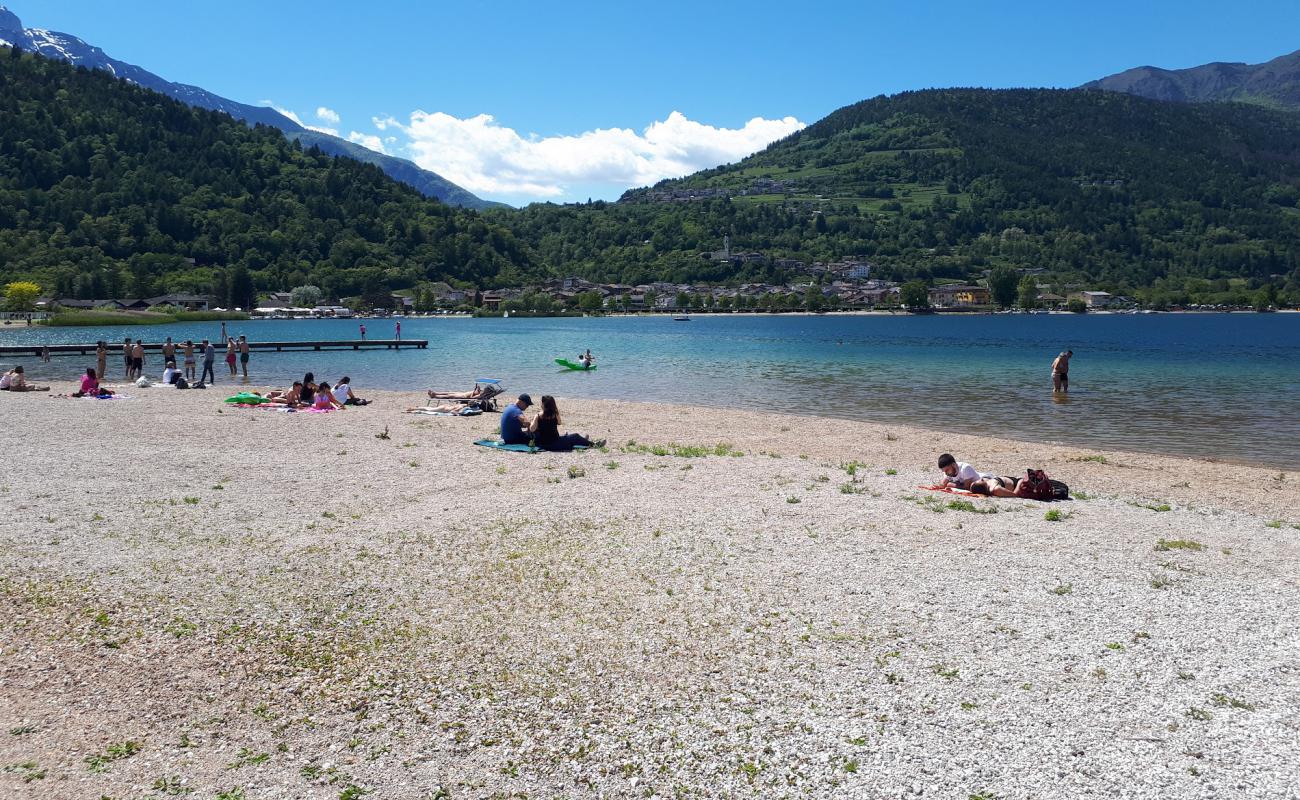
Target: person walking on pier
[
  {"x": 399, "y": 330},
  {"x": 363, "y": 331},
  {"x": 209, "y": 357},
  {"x": 243, "y": 355}
]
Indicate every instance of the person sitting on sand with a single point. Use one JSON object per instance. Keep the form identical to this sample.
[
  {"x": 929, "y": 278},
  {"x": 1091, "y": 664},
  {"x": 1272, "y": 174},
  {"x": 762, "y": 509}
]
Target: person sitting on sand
[
  {"x": 170, "y": 374},
  {"x": 514, "y": 425},
  {"x": 343, "y": 391},
  {"x": 15, "y": 381},
  {"x": 90, "y": 386},
  {"x": 325, "y": 398},
  {"x": 307, "y": 390},
  {"x": 546, "y": 430}
]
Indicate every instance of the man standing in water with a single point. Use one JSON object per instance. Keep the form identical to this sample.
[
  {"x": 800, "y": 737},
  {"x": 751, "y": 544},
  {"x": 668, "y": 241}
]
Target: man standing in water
[
  {"x": 243, "y": 355},
  {"x": 209, "y": 357},
  {"x": 1061, "y": 372}
]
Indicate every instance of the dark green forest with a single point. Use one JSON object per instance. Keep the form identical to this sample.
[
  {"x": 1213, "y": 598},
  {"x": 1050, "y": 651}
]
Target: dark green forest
[
  {"x": 1098, "y": 189},
  {"x": 106, "y": 189}
]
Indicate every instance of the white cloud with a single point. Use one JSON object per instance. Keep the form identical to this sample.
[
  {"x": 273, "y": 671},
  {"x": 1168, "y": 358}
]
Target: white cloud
[
  {"x": 368, "y": 140},
  {"x": 293, "y": 116},
  {"x": 327, "y": 115},
  {"x": 482, "y": 156}
]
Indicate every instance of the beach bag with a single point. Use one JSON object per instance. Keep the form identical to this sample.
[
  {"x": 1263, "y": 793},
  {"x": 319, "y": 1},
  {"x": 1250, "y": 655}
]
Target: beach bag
[
  {"x": 1059, "y": 490},
  {"x": 1035, "y": 486},
  {"x": 181, "y": 383}
]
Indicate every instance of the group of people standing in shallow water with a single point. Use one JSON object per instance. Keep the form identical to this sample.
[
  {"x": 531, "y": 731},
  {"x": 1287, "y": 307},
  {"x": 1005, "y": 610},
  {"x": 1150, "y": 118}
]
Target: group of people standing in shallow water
[{"x": 133, "y": 361}]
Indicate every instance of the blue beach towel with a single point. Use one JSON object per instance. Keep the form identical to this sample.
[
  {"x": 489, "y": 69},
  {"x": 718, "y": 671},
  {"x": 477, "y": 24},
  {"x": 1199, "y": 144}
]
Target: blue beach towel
[{"x": 514, "y": 448}]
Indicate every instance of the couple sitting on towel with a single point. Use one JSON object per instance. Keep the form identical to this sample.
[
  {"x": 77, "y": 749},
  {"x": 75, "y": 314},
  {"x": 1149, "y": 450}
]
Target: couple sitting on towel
[{"x": 544, "y": 429}]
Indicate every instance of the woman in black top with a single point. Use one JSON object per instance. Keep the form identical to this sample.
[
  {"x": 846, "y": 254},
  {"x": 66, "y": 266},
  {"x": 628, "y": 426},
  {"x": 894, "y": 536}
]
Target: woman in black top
[
  {"x": 308, "y": 389},
  {"x": 546, "y": 430}
]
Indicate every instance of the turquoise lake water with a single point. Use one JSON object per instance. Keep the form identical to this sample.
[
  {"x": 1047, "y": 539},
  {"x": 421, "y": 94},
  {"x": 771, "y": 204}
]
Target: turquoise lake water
[{"x": 1211, "y": 385}]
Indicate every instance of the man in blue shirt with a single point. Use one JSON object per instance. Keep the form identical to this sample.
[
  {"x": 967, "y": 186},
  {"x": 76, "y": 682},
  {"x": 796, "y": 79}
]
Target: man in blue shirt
[{"x": 514, "y": 427}]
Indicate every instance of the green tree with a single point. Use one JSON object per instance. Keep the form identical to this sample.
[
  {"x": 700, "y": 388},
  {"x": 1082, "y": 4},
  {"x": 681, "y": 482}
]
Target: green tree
[
  {"x": 306, "y": 296},
  {"x": 1002, "y": 286},
  {"x": 1076, "y": 306},
  {"x": 21, "y": 295},
  {"x": 1266, "y": 297},
  {"x": 914, "y": 294},
  {"x": 591, "y": 301},
  {"x": 683, "y": 300},
  {"x": 241, "y": 289},
  {"x": 813, "y": 299},
  {"x": 1028, "y": 292}
]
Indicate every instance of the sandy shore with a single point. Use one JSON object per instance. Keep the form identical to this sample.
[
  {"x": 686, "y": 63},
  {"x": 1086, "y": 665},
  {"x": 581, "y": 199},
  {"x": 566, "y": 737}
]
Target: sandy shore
[{"x": 269, "y": 605}]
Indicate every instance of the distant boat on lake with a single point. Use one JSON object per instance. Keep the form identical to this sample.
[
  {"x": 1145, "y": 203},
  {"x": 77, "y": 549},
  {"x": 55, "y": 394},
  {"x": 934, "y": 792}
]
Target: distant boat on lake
[{"x": 681, "y": 319}]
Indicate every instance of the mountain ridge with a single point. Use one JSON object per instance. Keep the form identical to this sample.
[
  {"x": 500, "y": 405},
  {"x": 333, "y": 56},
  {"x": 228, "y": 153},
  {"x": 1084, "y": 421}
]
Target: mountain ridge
[
  {"x": 1274, "y": 83},
  {"x": 77, "y": 51}
]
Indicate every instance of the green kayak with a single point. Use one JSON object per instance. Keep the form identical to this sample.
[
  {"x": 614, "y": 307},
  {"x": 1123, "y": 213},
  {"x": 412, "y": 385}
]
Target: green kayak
[{"x": 567, "y": 364}]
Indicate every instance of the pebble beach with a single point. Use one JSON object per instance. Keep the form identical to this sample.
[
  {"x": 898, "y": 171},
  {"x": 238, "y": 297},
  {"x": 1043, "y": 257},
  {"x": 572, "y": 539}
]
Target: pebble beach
[{"x": 220, "y": 602}]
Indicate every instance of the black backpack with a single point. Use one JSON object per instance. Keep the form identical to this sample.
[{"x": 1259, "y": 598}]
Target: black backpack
[{"x": 1059, "y": 490}]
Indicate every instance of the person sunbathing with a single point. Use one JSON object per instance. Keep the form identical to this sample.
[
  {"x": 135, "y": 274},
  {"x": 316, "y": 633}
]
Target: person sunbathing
[
  {"x": 15, "y": 381},
  {"x": 470, "y": 395},
  {"x": 445, "y": 408},
  {"x": 961, "y": 475},
  {"x": 292, "y": 398}
]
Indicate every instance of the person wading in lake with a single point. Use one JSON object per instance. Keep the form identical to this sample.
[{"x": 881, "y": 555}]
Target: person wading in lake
[
  {"x": 209, "y": 357},
  {"x": 1061, "y": 372},
  {"x": 101, "y": 358},
  {"x": 137, "y": 360},
  {"x": 243, "y": 355}
]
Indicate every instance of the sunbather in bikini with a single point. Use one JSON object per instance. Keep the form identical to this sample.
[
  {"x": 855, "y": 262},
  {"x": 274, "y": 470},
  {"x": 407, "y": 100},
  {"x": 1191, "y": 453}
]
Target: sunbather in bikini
[
  {"x": 470, "y": 395},
  {"x": 445, "y": 408}
]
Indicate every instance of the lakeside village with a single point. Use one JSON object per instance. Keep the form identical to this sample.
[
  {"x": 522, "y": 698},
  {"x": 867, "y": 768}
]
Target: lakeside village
[
  {"x": 845, "y": 285},
  {"x": 841, "y": 286}
]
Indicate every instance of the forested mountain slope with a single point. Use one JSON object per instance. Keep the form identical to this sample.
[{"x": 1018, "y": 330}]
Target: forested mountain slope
[
  {"x": 1274, "y": 83},
  {"x": 107, "y": 188},
  {"x": 66, "y": 47},
  {"x": 1093, "y": 187}
]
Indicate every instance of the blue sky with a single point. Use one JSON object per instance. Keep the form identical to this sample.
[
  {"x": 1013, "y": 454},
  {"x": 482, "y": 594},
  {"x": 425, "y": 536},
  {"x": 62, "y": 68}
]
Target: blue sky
[{"x": 564, "y": 100}]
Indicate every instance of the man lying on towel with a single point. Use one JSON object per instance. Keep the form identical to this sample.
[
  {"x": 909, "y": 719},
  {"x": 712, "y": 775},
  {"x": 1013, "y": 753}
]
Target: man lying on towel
[{"x": 960, "y": 475}]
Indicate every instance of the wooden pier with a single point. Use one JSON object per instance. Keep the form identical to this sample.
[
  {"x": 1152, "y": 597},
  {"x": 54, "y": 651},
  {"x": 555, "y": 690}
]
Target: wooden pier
[{"x": 115, "y": 348}]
